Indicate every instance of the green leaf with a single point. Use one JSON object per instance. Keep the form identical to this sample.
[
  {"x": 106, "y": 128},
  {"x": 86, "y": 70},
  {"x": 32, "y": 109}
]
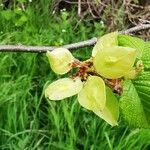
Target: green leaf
[
  {"x": 131, "y": 106},
  {"x": 111, "y": 111},
  {"x": 23, "y": 19},
  {"x": 146, "y": 56},
  {"x": 135, "y": 101},
  {"x": 7, "y": 14},
  {"x": 133, "y": 42},
  {"x": 63, "y": 88}
]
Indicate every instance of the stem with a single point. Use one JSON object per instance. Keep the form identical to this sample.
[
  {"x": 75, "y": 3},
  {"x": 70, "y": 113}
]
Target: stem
[{"x": 86, "y": 43}]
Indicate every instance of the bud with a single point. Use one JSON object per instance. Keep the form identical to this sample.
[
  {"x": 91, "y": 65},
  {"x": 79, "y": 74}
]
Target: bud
[
  {"x": 131, "y": 74},
  {"x": 60, "y": 60}
]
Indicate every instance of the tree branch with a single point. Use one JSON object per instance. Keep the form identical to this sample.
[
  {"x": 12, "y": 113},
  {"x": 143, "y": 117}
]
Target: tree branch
[
  {"x": 136, "y": 28},
  {"x": 43, "y": 49}
]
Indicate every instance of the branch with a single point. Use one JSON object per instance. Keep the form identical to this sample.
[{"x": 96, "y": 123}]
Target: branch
[
  {"x": 136, "y": 28},
  {"x": 43, "y": 49}
]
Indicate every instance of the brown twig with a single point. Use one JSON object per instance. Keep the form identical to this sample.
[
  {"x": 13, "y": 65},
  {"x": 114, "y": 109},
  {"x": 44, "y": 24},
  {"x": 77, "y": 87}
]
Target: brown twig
[
  {"x": 136, "y": 28},
  {"x": 43, "y": 49}
]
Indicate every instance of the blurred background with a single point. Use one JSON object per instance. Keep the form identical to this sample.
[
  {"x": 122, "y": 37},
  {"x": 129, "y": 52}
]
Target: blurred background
[{"x": 27, "y": 120}]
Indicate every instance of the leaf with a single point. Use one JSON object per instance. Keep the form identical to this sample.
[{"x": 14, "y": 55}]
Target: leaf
[
  {"x": 93, "y": 94},
  {"x": 133, "y": 42},
  {"x": 23, "y": 19},
  {"x": 132, "y": 107},
  {"x": 63, "y": 88},
  {"x": 7, "y": 14},
  {"x": 115, "y": 61},
  {"x": 111, "y": 111},
  {"x": 135, "y": 101},
  {"x": 60, "y": 60},
  {"x": 107, "y": 40},
  {"x": 146, "y": 56}
]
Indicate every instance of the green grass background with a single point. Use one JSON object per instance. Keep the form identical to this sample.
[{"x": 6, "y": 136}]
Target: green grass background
[{"x": 27, "y": 120}]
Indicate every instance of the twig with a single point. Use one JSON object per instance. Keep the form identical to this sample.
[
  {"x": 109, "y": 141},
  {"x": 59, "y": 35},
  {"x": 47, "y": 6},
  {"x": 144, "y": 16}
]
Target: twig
[
  {"x": 43, "y": 49},
  {"x": 77, "y": 2},
  {"x": 79, "y": 8},
  {"x": 90, "y": 9},
  {"x": 136, "y": 28},
  {"x": 144, "y": 21}
]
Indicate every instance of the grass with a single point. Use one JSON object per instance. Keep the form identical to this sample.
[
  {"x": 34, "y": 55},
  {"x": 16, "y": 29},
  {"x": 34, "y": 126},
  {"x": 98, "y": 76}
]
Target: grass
[{"x": 27, "y": 120}]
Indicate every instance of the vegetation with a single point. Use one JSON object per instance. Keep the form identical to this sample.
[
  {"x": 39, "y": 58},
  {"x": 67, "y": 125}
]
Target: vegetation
[{"x": 28, "y": 120}]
